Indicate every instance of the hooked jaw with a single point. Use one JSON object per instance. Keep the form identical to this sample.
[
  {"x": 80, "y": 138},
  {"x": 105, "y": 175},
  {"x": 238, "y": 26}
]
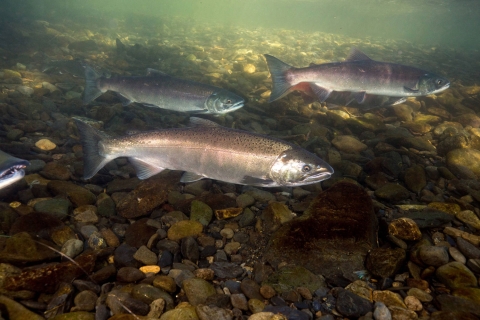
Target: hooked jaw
[{"x": 12, "y": 173}]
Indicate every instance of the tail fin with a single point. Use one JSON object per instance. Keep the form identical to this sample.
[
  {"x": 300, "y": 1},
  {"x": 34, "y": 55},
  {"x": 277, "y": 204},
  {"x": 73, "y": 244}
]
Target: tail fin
[
  {"x": 92, "y": 159},
  {"x": 278, "y": 68},
  {"x": 91, "y": 90}
]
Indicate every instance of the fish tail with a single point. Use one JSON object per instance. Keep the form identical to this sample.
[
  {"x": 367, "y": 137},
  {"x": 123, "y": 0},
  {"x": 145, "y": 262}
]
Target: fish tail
[
  {"x": 91, "y": 89},
  {"x": 92, "y": 159},
  {"x": 278, "y": 70}
]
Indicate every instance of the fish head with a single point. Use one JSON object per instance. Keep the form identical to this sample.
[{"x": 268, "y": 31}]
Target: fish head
[
  {"x": 12, "y": 170},
  {"x": 223, "y": 101},
  {"x": 431, "y": 83},
  {"x": 297, "y": 167}
]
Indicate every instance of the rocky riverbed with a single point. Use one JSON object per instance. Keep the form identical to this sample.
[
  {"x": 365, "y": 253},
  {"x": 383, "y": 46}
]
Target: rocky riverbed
[{"x": 393, "y": 235}]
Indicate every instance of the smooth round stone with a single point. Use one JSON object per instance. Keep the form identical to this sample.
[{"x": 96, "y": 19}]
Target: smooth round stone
[
  {"x": 392, "y": 192},
  {"x": 201, "y": 212},
  {"x": 433, "y": 255},
  {"x": 96, "y": 242},
  {"x": 469, "y": 217},
  {"x": 205, "y": 274},
  {"x": 45, "y": 144},
  {"x": 227, "y": 233},
  {"x": 72, "y": 248},
  {"x": 474, "y": 265},
  {"x": 405, "y": 229},
  {"x": 197, "y": 290},
  {"x": 348, "y": 144},
  {"x": 389, "y": 298},
  {"x": 165, "y": 282},
  {"x": 145, "y": 256},
  {"x": 413, "y": 303},
  {"x": 88, "y": 230},
  {"x": 255, "y": 305},
  {"x": 456, "y": 275},
  {"x": 239, "y": 301},
  {"x": 251, "y": 289},
  {"x": 420, "y": 295},
  {"x": 85, "y": 214},
  {"x": 267, "y": 291},
  {"x": 184, "y": 228},
  {"x": 189, "y": 249},
  {"x": 457, "y": 255},
  {"x": 262, "y": 316},
  {"x": 463, "y": 161},
  {"x": 85, "y": 300},
  {"x": 381, "y": 312},
  {"x": 415, "y": 178},
  {"x": 147, "y": 294},
  {"x": 232, "y": 247},
  {"x": 468, "y": 249},
  {"x": 213, "y": 312},
  {"x": 245, "y": 200},
  {"x": 181, "y": 312},
  {"x": 129, "y": 274}
]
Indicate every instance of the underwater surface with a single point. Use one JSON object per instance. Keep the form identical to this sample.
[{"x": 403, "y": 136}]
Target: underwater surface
[{"x": 240, "y": 159}]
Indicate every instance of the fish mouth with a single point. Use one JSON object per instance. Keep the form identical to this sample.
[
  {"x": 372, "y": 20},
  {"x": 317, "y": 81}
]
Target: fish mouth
[
  {"x": 445, "y": 87},
  {"x": 237, "y": 105},
  {"x": 318, "y": 177},
  {"x": 13, "y": 171}
]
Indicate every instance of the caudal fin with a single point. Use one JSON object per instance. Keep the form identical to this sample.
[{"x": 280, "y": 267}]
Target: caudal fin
[
  {"x": 92, "y": 160},
  {"x": 278, "y": 69},
  {"x": 91, "y": 90}
]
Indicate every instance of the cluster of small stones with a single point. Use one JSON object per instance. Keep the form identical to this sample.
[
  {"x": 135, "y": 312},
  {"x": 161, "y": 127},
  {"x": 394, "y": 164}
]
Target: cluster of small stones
[{"x": 160, "y": 250}]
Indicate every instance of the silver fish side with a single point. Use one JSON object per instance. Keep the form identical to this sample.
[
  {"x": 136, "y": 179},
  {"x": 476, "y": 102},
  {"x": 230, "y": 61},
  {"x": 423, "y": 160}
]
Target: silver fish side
[
  {"x": 206, "y": 150},
  {"x": 11, "y": 169}
]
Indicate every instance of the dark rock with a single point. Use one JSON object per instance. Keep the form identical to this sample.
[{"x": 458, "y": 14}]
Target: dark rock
[
  {"x": 290, "y": 313},
  {"x": 332, "y": 237},
  {"x": 123, "y": 256},
  {"x": 76, "y": 194},
  {"x": 22, "y": 248},
  {"x": 452, "y": 315},
  {"x": 428, "y": 218},
  {"x": 166, "y": 259},
  {"x": 47, "y": 278},
  {"x": 226, "y": 269},
  {"x": 386, "y": 262},
  {"x": 351, "y": 305},
  {"x": 251, "y": 289},
  {"x": 148, "y": 195},
  {"x": 129, "y": 274},
  {"x": 189, "y": 249},
  {"x": 451, "y": 303},
  {"x": 469, "y": 250},
  {"x": 138, "y": 233},
  {"x": 56, "y": 207},
  {"x": 392, "y": 192},
  {"x": 291, "y": 277},
  {"x": 56, "y": 171}
]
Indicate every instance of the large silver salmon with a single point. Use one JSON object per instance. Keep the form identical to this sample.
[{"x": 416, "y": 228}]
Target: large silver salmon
[
  {"x": 206, "y": 150},
  {"x": 158, "y": 89},
  {"x": 358, "y": 74}
]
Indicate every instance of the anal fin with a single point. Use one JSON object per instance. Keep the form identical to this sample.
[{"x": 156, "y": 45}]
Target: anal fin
[
  {"x": 190, "y": 177},
  {"x": 321, "y": 93},
  {"x": 144, "y": 170}
]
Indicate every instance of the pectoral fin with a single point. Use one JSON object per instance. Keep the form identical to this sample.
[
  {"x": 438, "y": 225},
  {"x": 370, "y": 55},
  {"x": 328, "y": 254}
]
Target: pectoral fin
[
  {"x": 190, "y": 177},
  {"x": 254, "y": 181}
]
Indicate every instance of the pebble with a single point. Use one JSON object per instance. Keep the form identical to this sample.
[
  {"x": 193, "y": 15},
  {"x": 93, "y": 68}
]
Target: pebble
[
  {"x": 45, "y": 144},
  {"x": 145, "y": 256},
  {"x": 456, "y": 275},
  {"x": 201, "y": 212},
  {"x": 255, "y": 305},
  {"x": 348, "y": 144},
  {"x": 72, "y": 248},
  {"x": 469, "y": 250},
  {"x": 213, "y": 312},
  {"x": 245, "y": 200},
  {"x": 85, "y": 300},
  {"x": 232, "y": 247},
  {"x": 381, "y": 312},
  {"x": 413, "y": 303},
  {"x": 239, "y": 301},
  {"x": 351, "y": 305},
  {"x": 469, "y": 217},
  {"x": 184, "y": 228},
  {"x": 392, "y": 192},
  {"x": 129, "y": 274},
  {"x": 421, "y": 295},
  {"x": 227, "y": 233},
  {"x": 197, "y": 290},
  {"x": 433, "y": 255},
  {"x": 405, "y": 229},
  {"x": 165, "y": 282}
]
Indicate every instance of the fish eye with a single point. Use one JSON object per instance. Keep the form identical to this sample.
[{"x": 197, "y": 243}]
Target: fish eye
[
  {"x": 306, "y": 168},
  {"x": 229, "y": 101},
  {"x": 439, "y": 82}
]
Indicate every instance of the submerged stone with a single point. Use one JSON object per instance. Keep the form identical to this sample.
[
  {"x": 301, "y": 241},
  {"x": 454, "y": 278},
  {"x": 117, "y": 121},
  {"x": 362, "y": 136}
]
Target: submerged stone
[{"x": 333, "y": 236}]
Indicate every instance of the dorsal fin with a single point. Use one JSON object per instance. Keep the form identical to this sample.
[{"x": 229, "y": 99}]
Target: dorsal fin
[
  {"x": 357, "y": 55},
  {"x": 152, "y": 72},
  {"x": 200, "y": 122}
]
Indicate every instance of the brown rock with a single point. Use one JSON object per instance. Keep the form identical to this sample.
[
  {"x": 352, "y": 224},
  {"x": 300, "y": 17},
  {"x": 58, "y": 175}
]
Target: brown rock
[
  {"x": 332, "y": 237},
  {"x": 405, "y": 228},
  {"x": 148, "y": 195}
]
